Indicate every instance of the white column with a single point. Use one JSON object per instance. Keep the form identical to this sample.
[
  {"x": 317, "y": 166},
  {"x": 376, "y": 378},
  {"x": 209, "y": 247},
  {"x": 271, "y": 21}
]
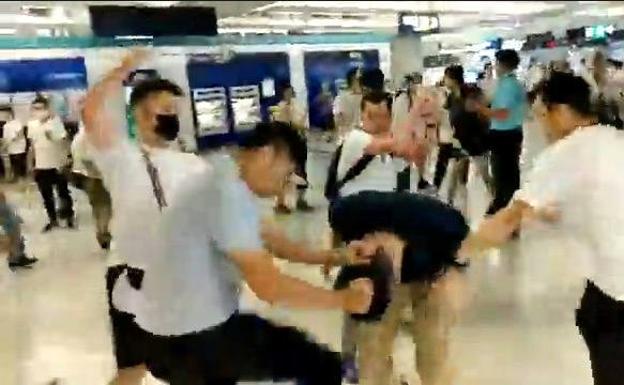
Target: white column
[{"x": 406, "y": 56}]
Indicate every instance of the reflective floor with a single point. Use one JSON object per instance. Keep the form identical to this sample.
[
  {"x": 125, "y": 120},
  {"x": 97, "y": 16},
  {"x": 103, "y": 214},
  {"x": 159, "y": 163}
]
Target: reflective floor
[{"x": 517, "y": 328}]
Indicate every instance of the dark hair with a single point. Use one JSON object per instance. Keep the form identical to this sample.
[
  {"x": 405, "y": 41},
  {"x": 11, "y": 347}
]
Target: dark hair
[
  {"x": 373, "y": 79},
  {"x": 455, "y": 72},
  {"x": 148, "y": 87},
  {"x": 285, "y": 86},
  {"x": 568, "y": 89},
  {"x": 471, "y": 90},
  {"x": 280, "y": 135},
  {"x": 377, "y": 97},
  {"x": 352, "y": 75},
  {"x": 40, "y": 99},
  {"x": 508, "y": 58}
]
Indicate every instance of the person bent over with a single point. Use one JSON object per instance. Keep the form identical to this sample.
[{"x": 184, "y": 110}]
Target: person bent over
[{"x": 413, "y": 240}]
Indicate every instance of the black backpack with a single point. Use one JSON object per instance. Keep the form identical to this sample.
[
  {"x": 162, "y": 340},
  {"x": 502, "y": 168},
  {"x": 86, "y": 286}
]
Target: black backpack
[{"x": 332, "y": 185}]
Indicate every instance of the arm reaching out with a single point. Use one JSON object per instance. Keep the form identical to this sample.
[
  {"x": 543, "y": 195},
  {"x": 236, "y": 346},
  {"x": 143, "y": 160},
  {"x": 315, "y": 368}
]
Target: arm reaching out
[
  {"x": 270, "y": 285},
  {"x": 97, "y": 125}
]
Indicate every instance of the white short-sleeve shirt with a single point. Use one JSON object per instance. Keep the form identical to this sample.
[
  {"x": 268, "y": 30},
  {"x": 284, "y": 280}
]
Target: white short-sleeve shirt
[
  {"x": 14, "y": 137},
  {"x": 52, "y": 150},
  {"x": 379, "y": 175},
  {"x": 581, "y": 175},
  {"x": 137, "y": 224},
  {"x": 348, "y": 104}
]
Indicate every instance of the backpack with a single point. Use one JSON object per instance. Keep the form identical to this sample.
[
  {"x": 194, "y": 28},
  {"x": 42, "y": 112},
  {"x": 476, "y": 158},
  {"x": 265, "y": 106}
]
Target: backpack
[{"x": 332, "y": 184}]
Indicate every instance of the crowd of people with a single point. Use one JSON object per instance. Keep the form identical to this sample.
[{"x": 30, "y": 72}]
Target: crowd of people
[{"x": 190, "y": 231}]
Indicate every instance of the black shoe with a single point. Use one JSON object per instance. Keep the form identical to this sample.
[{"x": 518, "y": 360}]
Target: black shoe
[
  {"x": 47, "y": 228},
  {"x": 24, "y": 262},
  {"x": 105, "y": 245},
  {"x": 304, "y": 206},
  {"x": 423, "y": 184},
  {"x": 71, "y": 223}
]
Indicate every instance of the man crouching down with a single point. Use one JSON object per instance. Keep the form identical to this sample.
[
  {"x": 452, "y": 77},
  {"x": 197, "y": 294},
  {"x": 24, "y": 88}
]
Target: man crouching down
[{"x": 412, "y": 240}]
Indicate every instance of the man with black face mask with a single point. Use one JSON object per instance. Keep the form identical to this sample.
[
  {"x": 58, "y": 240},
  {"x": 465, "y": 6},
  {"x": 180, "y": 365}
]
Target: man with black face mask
[{"x": 142, "y": 179}]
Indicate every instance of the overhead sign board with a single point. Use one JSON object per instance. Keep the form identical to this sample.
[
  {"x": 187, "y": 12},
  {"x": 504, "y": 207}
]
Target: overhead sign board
[{"x": 411, "y": 23}]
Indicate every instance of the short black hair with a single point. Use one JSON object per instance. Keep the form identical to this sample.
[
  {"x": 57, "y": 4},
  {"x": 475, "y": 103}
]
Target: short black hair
[
  {"x": 373, "y": 79},
  {"x": 455, "y": 72},
  {"x": 508, "y": 58},
  {"x": 285, "y": 86},
  {"x": 280, "y": 135},
  {"x": 568, "y": 89},
  {"x": 148, "y": 87},
  {"x": 352, "y": 75},
  {"x": 377, "y": 97},
  {"x": 40, "y": 99}
]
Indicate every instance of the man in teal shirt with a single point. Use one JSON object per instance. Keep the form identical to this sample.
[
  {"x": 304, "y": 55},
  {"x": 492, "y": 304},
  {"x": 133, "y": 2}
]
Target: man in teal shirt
[{"x": 506, "y": 113}]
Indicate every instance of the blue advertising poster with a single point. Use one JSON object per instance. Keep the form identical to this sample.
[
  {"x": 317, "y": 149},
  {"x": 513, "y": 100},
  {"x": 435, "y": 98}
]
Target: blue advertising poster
[
  {"x": 249, "y": 71},
  {"x": 325, "y": 73},
  {"x": 42, "y": 75}
]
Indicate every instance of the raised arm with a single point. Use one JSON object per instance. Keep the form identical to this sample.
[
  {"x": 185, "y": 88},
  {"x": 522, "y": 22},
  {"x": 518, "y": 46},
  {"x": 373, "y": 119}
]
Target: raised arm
[{"x": 98, "y": 127}]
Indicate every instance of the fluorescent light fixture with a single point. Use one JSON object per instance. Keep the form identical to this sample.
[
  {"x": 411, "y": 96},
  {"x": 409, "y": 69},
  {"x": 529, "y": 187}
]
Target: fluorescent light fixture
[
  {"x": 494, "y": 7},
  {"x": 601, "y": 12},
  {"x": 163, "y": 4},
  {"x": 245, "y": 30},
  {"x": 44, "y": 32},
  {"x": 7, "y": 31},
  {"x": 251, "y": 21},
  {"x": 133, "y": 37}
]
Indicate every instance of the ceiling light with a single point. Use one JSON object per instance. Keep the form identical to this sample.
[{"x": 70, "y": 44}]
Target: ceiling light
[
  {"x": 7, "y": 31},
  {"x": 163, "y": 4}
]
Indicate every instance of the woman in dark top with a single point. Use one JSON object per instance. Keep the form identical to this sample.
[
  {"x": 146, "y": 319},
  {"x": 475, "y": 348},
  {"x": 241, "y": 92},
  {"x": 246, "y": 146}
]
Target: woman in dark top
[{"x": 470, "y": 129}]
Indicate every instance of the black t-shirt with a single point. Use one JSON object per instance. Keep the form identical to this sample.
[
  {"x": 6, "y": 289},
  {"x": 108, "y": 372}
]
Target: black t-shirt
[
  {"x": 470, "y": 129},
  {"x": 433, "y": 231}
]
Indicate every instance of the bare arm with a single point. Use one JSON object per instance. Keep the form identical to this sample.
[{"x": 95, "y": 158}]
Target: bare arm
[
  {"x": 496, "y": 230},
  {"x": 278, "y": 243},
  {"x": 270, "y": 285},
  {"x": 97, "y": 125}
]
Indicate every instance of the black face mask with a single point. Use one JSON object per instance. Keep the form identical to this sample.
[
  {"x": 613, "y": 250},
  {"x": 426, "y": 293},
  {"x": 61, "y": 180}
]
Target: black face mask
[{"x": 167, "y": 126}]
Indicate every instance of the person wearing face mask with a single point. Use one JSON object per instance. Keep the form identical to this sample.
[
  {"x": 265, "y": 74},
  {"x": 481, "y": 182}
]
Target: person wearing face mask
[
  {"x": 191, "y": 233},
  {"x": 15, "y": 141},
  {"x": 142, "y": 178},
  {"x": 48, "y": 137}
]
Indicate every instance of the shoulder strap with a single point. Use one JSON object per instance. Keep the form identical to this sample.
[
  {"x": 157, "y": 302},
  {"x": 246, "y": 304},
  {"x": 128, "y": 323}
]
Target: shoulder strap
[
  {"x": 152, "y": 172},
  {"x": 355, "y": 170}
]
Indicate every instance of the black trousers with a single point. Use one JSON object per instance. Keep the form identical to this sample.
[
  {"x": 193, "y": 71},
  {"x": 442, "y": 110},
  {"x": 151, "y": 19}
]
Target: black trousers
[
  {"x": 130, "y": 342},
  {"x": 505, "y": 159},
  {"x": 47, "y": 180},
  {"x": 245, "y": 347},
  {"x": 600, "y": 319},
  {"x": 18, "y": 165},
  {"x": 302, "y": 161}
]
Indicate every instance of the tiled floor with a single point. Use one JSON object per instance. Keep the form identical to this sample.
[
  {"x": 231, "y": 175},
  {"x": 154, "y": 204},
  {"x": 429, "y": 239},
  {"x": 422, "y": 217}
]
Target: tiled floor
[{"x": 518, "y": 328}]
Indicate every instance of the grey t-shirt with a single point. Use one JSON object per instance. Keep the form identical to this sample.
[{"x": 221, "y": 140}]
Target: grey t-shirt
[{"x": 194, "y": 284}]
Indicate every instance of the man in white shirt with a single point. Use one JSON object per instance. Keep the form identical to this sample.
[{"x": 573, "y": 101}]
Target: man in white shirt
[
  {"x": 13, "y": 135},
  {"x": 347, "y": 105},
  {"x": 576, "y": 182},
  {"x": 48, "y": 137},
  {"x": 142, "y": 180},
  {"x": 181, "y": 289}
]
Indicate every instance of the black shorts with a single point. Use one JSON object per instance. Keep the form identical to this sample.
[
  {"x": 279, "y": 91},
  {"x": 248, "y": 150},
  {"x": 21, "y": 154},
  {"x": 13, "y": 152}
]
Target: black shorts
[
  {"x": 245, "y": 347},
  {"x": 130, "y": 342}
]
